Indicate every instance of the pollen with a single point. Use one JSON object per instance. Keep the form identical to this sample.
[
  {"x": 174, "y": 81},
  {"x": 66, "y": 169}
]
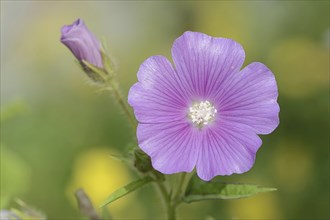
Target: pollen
[{"x": 202, "y": 113}]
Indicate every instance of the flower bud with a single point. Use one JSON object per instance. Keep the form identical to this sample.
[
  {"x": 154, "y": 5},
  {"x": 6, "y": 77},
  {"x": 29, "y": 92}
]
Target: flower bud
[
  {"x": 85, "y": 47},
  {"x": 143, "y": 164},
  {"x": 82, "y": 43},
  {"x": 142, "y": 161}
]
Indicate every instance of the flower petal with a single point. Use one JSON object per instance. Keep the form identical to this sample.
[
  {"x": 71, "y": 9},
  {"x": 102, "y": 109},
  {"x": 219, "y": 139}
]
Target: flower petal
[
  {"x": 173, "y": 147},
  {"x": 203, "y": 62},
  {"x": 226, "y": 149},
  {"x": 251, "y": 99},
  {"x": 158, "y": 96}
]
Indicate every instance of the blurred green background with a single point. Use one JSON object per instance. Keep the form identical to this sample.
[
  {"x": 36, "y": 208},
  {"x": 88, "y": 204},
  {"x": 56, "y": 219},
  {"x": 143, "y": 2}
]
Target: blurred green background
[{"x": 57, "y": 131}]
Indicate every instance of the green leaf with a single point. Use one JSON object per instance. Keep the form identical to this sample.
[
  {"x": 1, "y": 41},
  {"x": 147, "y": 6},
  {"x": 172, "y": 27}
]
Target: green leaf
[
  {"x": 127, "y": 189},
  {"x": 107, "y": 63},
  {"x": 97, "y": 74},
  {"x": 198, "y": 190},
  {"x": 106, "y": 59}
]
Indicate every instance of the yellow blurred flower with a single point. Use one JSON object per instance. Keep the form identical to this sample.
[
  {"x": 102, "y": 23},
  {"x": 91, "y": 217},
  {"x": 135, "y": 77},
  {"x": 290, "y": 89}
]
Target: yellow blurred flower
[
  {"x": 293, "y": 166},
  {"x": 216, "y": 19},
  {"x": 301, "y": 66},
  {"x": 262, "y": 206},
  {"x": 99, "y": 175}
]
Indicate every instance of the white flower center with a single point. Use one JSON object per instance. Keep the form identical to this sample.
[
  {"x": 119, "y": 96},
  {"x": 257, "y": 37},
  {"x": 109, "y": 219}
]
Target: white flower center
[{"x": 202, "y": 113}]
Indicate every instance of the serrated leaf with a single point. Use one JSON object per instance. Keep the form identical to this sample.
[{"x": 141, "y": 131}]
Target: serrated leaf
[
  {"x": 127, "y": 189},
  {"x": 198, "y": 190}
]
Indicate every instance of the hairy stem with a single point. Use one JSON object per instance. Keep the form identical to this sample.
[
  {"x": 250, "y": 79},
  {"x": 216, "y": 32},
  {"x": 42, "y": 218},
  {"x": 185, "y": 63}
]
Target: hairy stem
[{"x": 117, "y": 94}]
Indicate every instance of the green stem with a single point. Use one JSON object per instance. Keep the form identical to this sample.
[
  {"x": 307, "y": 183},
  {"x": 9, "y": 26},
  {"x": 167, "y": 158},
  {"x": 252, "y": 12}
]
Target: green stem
[
  {"x": 106, "y": 76},
  {"x": 122, "y": 103},
  {"x": 179, "y": 193},
  {"x": 183, "y": 177},
  {"x": 172, "y": 202},
  {"x": 167, "y": 200},
  {"x": 163, "y": 191},
  {"x": 171, "y": 212}
]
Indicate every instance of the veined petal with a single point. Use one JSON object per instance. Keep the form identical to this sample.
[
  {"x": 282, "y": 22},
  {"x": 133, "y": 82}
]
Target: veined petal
[
  {"x": 226, "y": 149},
  {"x": 204, "y": 62},
  {"x": 168, "y": 101},
  {"x": 251, "y": 99},
  {"x": 173, "y": 147},
  {"x": 158, "y": 96}
]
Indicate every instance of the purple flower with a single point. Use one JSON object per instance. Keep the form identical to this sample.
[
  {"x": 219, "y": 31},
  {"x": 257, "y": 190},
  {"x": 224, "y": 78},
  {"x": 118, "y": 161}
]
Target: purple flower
[
  {"x": 82, "y": 43},
  {"x": 205, "y": 112}
]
